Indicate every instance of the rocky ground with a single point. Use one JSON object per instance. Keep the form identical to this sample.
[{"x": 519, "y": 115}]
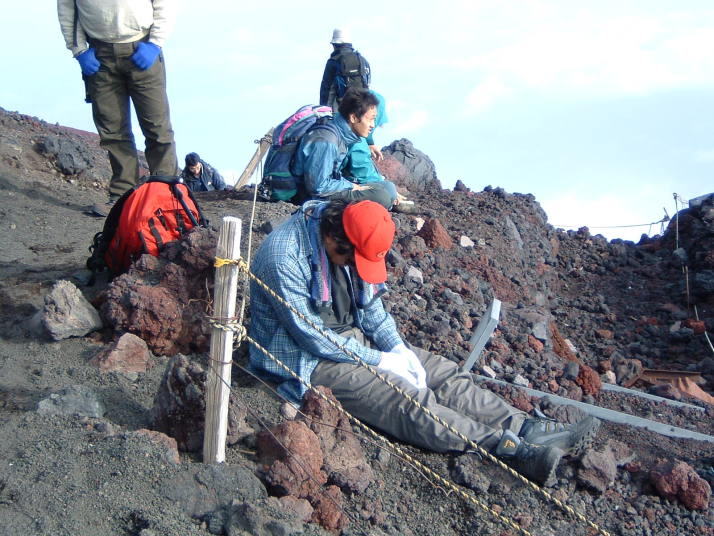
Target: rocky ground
[{"x": 101, "y": 411}]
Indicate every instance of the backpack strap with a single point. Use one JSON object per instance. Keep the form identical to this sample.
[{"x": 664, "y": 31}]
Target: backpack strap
[
  {"x": 177, "y": 193},
  {"x": 173, "y": 180}
]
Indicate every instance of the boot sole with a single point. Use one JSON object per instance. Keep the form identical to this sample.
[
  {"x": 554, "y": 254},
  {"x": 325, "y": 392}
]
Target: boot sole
[{"x": 586, "y": 439}]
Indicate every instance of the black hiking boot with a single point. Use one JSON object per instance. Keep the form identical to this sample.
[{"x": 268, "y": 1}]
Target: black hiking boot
[
  {"x": 573, "y": 439},
  {"x": 536, "y": 462}
]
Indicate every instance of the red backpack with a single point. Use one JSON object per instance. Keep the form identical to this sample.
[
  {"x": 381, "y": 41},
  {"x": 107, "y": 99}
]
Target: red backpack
[{"x": 143, "y": 220}]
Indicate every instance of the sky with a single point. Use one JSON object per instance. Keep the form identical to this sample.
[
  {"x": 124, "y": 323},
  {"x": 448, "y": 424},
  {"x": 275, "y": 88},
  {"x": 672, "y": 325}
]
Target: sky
[{"x": 600, "y": 109}]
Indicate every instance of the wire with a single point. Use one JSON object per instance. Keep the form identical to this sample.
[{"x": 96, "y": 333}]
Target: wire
[{"x": 663, "y": 220}]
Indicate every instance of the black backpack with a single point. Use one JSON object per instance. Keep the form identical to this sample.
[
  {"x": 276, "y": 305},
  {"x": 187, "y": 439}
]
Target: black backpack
[{"x": 352, "y": 71}]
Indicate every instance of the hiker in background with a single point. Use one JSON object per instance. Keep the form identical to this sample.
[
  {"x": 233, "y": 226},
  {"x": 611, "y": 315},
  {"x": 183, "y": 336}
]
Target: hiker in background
[
  {"x": 328, "y": 262},
  {"x": 319, "y": 156},
  {"x": 344, "y": 69},
  {"x": 118, "y": 47},
  {"x": 200, "y": 176}
]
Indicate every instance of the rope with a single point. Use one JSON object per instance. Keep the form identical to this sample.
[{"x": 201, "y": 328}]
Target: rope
[
  {"x": 243, "y": 266},
  {"x": 423, "y": 468},
  {"x": 663, "y": 220},
  {"x": 272, "y": 435},
  {"x": 685, "y": 268},
  {"x": 706, "y": 335},
  {"x": 259, "y": 169}
]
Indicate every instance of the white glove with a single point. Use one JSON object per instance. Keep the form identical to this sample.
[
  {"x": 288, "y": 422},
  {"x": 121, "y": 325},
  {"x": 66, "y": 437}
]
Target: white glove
[
  {"x": 414, "y": 366},
  {"x": 404, "y": 364}
]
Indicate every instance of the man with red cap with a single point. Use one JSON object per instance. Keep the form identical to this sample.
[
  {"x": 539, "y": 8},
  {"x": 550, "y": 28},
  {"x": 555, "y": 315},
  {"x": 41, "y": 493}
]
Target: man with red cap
[{"x": 328, "y": 262}]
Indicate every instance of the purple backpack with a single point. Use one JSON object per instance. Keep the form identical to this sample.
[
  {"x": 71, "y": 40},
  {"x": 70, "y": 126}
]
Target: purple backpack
[{"x": 279, "y": 183}]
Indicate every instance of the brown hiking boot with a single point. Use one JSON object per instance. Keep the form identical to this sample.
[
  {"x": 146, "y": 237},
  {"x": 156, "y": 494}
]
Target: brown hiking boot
[{"x": 536, "y": 462}]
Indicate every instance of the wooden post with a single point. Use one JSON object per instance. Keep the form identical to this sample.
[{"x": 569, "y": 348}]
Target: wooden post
[
  {"x": 219, "y": 373},
  {"x": 264, "y": 145}
]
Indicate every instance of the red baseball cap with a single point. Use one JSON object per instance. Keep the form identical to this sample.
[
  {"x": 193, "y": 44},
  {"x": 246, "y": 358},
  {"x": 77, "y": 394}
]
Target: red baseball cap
[{"x": 370, "y": 228}]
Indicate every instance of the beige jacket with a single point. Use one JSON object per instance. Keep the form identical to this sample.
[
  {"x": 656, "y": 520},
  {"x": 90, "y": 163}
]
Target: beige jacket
[{"x": 115, "y": 21}]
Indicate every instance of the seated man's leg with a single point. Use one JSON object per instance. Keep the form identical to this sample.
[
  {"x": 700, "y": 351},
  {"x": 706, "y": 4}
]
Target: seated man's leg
[
  {"x": 382, "y": 192},
  {"x": 377, "y": 404},
  {"x": 457, "y": 390}
]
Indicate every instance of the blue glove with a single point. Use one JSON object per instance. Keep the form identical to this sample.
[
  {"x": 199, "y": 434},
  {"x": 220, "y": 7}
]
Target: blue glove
[
  {"x": 88, "y": 62},
  {"x": 145, "y": 55}
]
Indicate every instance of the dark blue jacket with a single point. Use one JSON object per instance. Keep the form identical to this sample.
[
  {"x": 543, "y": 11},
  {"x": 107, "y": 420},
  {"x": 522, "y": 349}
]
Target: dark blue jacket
[{"x": 208, "y": 180}]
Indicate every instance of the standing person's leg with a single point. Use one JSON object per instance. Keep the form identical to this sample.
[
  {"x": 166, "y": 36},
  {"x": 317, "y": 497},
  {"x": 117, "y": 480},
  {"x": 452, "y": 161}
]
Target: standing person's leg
[
  {"x": 377, "y": 404},
  {"x": 148, "y": 93},
  {"x": 111, "y": 113},
  {"x": 457, "y": 390}
]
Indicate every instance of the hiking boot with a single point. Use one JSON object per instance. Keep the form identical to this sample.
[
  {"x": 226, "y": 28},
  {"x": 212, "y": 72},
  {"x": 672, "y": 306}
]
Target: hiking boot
[
  {"x": 102, "y": 209},
  {"x": 405, "y": 207},
  {"x": 573, "y": 439},
  {"x": 536, "y": 462}
]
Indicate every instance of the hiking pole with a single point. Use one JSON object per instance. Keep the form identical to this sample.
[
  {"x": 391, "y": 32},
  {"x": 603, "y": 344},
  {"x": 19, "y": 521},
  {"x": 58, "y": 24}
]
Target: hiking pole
[{"x": 264, "y": 145}]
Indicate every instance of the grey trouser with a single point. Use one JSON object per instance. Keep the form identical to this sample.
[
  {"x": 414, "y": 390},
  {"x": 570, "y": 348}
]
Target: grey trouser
[
  {"x": 451, "y": 394},
  {"x": 110, "y": 89},
  {"x": 382, "y": 192}
]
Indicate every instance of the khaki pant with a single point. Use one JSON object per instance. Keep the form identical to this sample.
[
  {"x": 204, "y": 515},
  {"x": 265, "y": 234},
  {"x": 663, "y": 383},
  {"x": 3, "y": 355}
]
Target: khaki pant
[
  {"x": 117, "y": 81},
  {"x": 451, "y": 394},
  {"x": 382, "y": 192}
]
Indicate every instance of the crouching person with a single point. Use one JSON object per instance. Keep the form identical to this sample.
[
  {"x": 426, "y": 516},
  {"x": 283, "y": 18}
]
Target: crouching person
[
  {"x": 320, "y": 156},
  {"x": 328, "y": 262}
]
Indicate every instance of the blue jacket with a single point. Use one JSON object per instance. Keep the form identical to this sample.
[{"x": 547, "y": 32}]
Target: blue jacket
[
  {"x": 318, "y": 158},
  {"x": 284, "y": 262},
  {"x": 209, "y": 179},
  {"x": 358, "y": 165}
]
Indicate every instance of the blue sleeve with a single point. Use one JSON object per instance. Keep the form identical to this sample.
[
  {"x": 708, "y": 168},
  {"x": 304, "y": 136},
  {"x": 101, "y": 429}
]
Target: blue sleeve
[
  {"x": 316, "y": 163},
  {"x": 379, "y": 326},
  {"x": 217, "y": 181},
  {"x": 290, "y": 282}
]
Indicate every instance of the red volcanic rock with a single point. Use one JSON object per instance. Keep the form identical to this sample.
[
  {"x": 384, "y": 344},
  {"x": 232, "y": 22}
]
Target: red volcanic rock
[
  {"x": 163, "y": 300},
  {"x": 166, "y": 443},
  {"x": 678, "y": 480},
  {"x": 393, "y": 170},
  {"x": 129, "y": 353},
  {"x": 328, "y": 509},
  {"x": 697, "y": 326},
  {"x": 292, "y": 458},
  {"x": 535, "y": 344},
  {"x": 605, "y": 334},
  {"x": 588, "y": 380},
  {"x": 298, "y": 508},
  {"x": 344, "y": 459},
  {"x": 560, "y": 347},
  {"x": 435, "y": 235}
]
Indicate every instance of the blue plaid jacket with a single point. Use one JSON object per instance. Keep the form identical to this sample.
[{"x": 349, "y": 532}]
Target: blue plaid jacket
[{"x": 283, "y": 262}]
